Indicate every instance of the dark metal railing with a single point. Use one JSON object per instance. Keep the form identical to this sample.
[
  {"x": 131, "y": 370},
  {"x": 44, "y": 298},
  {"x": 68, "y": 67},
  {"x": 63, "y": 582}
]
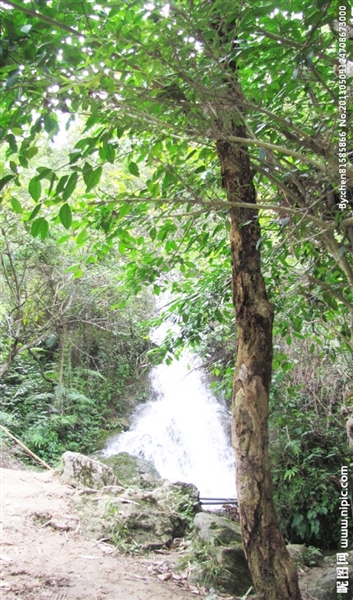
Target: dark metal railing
[{"x": 215, "y": 501}]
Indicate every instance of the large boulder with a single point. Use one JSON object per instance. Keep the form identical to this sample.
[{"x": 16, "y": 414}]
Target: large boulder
[
  {"x": 234, "y": 575},
  {"x": 321, "y": 582},
  {"x": 216, "y": 530},
  {"x": 133, "y": 517},
  {"x": 132, "y": 470},
  {"x": 184, "y": 497},
  {"x": 146, "y": 525},
  {"x": 91, "y": 473},
  {"x": 305, "y": 556},
  {"x": 223, "y": 563}
]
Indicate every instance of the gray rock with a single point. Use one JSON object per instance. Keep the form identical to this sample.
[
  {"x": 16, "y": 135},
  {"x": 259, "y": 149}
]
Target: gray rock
[
  {"x": 148, "y": 526},
  {"x": 130, "y": 518},
  {"x": 80, "y": 469},
  {"x": 184, "y": 497},
  {"x": 225, "y": 565},
  {"x": 305, "y": 556},
  {"x": 320, "y": 582},
  {"x": 132, "y": 470},
  {"x": 216, "y": 530},
  {"x": 134, "y": 517},
  {"x": 234, "y": 576}
]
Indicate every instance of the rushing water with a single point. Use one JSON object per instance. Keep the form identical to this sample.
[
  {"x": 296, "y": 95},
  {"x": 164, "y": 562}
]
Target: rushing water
[{"x": 183, "y": 430}]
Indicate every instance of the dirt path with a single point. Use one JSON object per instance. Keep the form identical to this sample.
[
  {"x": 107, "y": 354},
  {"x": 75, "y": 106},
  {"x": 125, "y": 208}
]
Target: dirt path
[{"x": 44, "y": 556}]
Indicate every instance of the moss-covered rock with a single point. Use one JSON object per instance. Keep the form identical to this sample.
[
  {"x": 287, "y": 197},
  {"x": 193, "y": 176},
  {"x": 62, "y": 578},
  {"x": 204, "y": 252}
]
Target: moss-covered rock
[
  {"x": 144, "y": 524},
  {"x": 234, "y": 576},
  {"x": 305, "y": 556},
  {"x": 217, "y": 556},
  {"x": 321, "y": 582},
  {"x": 91, "y": 473},
  {"x": 134, "y": 517},
  {"x": 216, "y": 530},
  {"x": 131, "y": 470}
]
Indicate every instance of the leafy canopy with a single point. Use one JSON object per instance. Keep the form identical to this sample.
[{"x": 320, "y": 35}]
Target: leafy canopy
[{"x": 153, "y": 86}]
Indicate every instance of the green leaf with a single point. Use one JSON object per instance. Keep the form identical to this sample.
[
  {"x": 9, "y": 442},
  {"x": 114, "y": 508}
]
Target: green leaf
[
  {"x": 92, "y": 178},
  {"x": 31, "y": 152},
  {"x": 124, "y": 210},
  {"x": 35, "y": 189},
  {"x": 23, "y": 161},
  {"x": 168, "y": 179},
  {"x": 119, "y": 131},
  {"x": 11, "y": 140},
  {"x": 5, "y": 180},
  {"x": 44, "y": 229},
  {"x": 63, "y": 239},
  {"x": 44, "y": 173},
  {"x": 34, "y": 212},
  {"x": 70, "y": 186},
  {"x": 65, "y": 216},
  {"x": 81, "y": 238},
  {"x": 107, "y": 152},
  {"x": 51, "y": 124},
  {"x": 10, "y": 28},
  {"x": 40, "y": 227},
  {"x": 133, "y": 169},
  {"x": 61, "y": 184},
  {"x": 12, "y": 79},
  {"x": 16, "y": 206}
]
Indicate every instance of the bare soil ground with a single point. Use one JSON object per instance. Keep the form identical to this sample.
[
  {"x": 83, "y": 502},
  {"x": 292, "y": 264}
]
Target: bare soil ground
[{"x": 45, "y": 556}]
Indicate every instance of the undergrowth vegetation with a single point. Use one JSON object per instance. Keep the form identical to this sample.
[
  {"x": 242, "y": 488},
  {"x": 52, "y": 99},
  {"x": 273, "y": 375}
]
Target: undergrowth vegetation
[
  {"x": 309, "y": 442},
  {"x": 71, "y": 349}
]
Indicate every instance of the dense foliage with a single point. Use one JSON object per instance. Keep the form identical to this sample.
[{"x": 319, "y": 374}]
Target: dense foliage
[{"x": 70, "y": 360}]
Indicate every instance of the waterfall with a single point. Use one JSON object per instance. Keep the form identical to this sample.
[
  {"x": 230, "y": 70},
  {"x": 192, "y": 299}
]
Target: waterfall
[{"x": 183, "y": 429}]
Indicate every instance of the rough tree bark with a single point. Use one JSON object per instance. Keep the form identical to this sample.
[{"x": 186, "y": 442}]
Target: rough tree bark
[{"x": 274, "y": 575}]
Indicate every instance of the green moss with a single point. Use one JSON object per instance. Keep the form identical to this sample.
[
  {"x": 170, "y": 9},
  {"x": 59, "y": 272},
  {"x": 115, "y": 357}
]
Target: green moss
[
  {"x": 105, "y": 434},
  {"x": 131, "y": 470}
]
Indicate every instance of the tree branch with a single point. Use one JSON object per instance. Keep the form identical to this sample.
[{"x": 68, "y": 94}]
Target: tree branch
[
  {"x": 330, "y": 289},
  {"x": 37, "y": 15},
  {"x": 305, "y": 159}
]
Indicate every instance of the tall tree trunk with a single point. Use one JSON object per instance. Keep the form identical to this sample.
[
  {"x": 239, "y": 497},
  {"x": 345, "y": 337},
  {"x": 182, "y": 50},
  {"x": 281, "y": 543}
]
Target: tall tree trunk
[{"x": 272, "y": 570}]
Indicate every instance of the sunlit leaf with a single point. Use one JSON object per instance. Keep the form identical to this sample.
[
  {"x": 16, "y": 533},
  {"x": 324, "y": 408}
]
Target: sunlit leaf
[
  {"x": 39, "y": 227},
  {"x": 65, "y": 216},
  {"x": 133, "y": 169},
  {"x": 35, "y": 188},
  {"x": 16, "y": 205},
  {"x": 92, "y": 178}
]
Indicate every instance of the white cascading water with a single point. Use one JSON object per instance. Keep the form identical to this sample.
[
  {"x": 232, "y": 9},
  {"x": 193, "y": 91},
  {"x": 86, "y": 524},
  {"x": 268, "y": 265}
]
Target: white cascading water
[{"x": 183, "y": 430}]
